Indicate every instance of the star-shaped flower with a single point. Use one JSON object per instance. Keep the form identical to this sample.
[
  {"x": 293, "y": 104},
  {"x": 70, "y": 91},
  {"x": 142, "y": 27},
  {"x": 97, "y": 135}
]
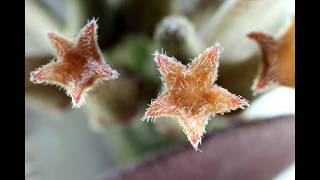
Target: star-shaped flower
[
  {"x": 278, "y": 59},
  {"x": 192, "y": 95},
  {"x": 78, "y": 66}
]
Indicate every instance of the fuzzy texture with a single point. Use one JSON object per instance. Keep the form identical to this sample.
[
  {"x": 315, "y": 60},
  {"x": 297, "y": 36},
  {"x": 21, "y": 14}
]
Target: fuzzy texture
[
  {"x": 79, "y": 66},
  {"x": 191, "y": 94}
]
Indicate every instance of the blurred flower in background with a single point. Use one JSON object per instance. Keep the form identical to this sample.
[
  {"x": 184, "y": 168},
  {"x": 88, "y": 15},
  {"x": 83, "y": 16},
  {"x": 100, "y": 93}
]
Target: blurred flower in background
[{"x": 106, "y": 137}]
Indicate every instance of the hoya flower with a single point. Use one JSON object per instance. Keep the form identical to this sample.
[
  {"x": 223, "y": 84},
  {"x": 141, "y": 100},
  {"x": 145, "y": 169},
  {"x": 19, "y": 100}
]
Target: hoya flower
[
  {"x": 78, "y": 66},
  {"x": 278, "y": 59},
  {"x": 192, "y": 95}
]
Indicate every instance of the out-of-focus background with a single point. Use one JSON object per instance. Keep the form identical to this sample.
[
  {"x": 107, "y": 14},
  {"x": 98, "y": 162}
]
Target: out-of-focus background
[{"x": 107, "y": 135}]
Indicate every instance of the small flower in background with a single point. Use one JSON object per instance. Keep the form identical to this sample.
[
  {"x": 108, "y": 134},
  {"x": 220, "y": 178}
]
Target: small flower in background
[
  {"x": 278, "y": 59},
  {"x": 192, "y": 95},
  {"x": 78, "y": 66}
]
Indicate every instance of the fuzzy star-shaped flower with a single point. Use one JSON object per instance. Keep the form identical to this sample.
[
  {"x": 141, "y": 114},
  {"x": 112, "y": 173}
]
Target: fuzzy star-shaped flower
[
  {"x": 278, "y": 59},
  {"x": 192, "y": 95},
  {"x": 78, "y": 66}
]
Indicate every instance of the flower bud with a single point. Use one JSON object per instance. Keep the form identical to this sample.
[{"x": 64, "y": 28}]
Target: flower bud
[{"x": 176, "y": 35}]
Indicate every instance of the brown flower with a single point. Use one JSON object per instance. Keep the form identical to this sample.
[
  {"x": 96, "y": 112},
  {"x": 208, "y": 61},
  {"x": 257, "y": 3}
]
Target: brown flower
[
  {"x": 192, "y": 95},
  {"x": 278, "y": 59},
  {"x": 78, "y": 66}
]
